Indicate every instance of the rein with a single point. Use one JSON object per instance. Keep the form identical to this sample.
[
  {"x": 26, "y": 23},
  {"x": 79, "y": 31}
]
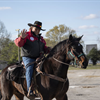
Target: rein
[
  {"x": 49, "y": 75},
  {"x": 52, "y": 76},
  {"x": 60, "y": 61}
]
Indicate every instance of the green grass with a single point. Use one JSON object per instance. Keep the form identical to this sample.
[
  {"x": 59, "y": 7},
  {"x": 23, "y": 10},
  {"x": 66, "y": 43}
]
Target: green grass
[{"x": 90, "y": 66}]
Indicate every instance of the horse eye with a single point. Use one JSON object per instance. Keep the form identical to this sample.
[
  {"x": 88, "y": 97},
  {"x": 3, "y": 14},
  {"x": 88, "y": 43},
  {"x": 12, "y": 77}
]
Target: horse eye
[
  {"x": 74, "y": 48},
  {"x": 78, "y": 44}
]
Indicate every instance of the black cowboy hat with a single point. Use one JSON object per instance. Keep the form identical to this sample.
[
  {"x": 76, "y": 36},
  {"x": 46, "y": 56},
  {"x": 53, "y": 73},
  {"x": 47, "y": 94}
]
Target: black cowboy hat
[{"x": 37, "y": 24}]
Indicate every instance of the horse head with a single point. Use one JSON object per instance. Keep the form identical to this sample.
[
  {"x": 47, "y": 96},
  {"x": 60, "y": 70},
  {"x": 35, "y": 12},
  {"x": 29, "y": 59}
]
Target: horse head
[{"x": 75, "y": 51}]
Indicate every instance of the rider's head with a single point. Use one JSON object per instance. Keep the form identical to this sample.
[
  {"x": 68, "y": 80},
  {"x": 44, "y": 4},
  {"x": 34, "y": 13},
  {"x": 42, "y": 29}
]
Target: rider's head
[{"x": 36, "y": 27}]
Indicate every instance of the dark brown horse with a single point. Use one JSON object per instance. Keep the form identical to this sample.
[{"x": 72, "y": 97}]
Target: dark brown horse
[{"x": 56, "y": 63}]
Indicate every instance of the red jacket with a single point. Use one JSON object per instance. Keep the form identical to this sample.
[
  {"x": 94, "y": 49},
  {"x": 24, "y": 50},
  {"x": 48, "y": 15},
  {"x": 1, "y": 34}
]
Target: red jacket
[{"x": 31, "y": 46}]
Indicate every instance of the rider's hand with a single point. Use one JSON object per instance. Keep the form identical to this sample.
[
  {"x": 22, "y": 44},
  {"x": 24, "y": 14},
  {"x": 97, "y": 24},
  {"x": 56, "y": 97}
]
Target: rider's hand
[
  {"x": 23, "y": 33},
  {"x": 49, "y": 48}
]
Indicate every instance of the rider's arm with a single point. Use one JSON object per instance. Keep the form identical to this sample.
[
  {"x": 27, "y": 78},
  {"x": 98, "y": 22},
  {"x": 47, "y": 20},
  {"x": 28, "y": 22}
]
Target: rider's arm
[{"x": 20, "y": 41}]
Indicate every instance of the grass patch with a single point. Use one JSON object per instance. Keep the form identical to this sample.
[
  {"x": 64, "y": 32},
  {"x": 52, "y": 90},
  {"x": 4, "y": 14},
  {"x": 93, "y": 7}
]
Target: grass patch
[{"x": 90, "y": 66}]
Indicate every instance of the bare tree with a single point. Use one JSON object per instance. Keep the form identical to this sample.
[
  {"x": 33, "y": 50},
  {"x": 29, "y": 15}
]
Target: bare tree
[{"x": 4, "y": 36}]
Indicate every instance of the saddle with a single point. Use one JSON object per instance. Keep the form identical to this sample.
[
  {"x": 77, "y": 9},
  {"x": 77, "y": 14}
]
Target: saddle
[{"x": 15, "y": 72}]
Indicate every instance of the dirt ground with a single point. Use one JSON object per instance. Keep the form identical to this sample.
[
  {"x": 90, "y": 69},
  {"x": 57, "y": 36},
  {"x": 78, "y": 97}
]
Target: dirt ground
[{"x": 84, "y": 85}]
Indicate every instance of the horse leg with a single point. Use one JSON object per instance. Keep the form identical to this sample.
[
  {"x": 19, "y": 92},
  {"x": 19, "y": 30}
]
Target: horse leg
[
  {"x": 6, "y": 88},
  {"x": 62, "y": 98},
  {"x": 6, "y": 91},
  {"x": 5, "y": 97},
  {"x": 19, "y": 96}
]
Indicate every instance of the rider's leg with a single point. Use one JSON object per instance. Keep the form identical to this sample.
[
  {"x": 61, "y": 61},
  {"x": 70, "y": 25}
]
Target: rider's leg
[{"x": 29, "y": 70}]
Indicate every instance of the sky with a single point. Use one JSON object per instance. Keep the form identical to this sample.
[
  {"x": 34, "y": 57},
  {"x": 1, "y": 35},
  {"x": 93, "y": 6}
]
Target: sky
[{"x": 81, "y": 15}]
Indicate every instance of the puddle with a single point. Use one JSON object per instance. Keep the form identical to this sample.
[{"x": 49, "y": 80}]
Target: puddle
[
  {"x": 79, "y": 94},
  {"x": 73, "y": 86},
  {"x": 92, "y": 76},
  {"x": 88, "y": 86},
  {"x": 82, "y": 86}
]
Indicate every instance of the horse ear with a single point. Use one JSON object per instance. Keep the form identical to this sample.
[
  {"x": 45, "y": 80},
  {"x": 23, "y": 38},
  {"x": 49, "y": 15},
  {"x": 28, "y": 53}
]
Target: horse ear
[
  {"x": 78, "y": 39},
  {"x": 70, "y": 37}
]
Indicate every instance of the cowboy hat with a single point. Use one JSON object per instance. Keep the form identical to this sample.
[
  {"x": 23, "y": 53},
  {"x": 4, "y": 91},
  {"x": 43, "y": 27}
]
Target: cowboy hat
[{"x": 37, "y": 24}]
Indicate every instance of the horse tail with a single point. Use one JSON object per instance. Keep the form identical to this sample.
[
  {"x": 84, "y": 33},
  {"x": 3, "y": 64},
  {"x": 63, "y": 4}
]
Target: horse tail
[{"x": 5, "y": 85}]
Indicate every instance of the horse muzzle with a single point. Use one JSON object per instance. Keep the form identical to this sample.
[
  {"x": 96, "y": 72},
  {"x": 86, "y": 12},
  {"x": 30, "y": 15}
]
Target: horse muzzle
[{"x": 84, "y": 63}]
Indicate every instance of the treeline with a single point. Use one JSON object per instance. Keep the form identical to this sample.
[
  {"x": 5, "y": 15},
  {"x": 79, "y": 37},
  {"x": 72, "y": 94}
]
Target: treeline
[
  {"x": 9, "y": 51},
  {"x": 57, "y": 34},
  {"x": 94, "y": 56}
]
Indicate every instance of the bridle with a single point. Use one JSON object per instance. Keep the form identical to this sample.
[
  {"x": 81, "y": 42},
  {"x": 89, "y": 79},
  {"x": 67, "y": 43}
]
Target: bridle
[{"x": 72, "y": 54}]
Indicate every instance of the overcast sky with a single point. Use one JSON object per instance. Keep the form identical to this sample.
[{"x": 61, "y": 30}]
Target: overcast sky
[{"x": 81, "y": 15}]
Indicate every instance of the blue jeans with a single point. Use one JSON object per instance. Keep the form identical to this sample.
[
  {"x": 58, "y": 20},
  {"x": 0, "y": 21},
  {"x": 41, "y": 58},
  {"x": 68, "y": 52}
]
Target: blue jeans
[{"x": 29, "y": 70}]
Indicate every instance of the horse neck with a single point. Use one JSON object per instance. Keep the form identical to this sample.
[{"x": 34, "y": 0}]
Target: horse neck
[
  {"x": 57, "y": 68},
  {"x": 54, "y": 67},
  {"x": 62, "y": 68}
]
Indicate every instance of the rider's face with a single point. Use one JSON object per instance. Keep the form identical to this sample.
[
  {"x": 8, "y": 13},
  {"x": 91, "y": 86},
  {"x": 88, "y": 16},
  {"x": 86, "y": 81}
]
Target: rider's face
[{"x": 36, "y": 30}]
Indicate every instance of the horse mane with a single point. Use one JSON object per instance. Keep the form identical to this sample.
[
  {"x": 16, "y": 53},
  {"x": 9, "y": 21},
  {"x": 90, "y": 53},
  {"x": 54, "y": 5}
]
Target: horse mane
[
  {"x": 58, "y": 48},
  {"x": 61, "y": 46}
]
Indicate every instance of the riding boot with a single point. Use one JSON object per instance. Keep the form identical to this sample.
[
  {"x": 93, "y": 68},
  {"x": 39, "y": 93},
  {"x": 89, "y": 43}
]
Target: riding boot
[{"x": 31, "y": 94}]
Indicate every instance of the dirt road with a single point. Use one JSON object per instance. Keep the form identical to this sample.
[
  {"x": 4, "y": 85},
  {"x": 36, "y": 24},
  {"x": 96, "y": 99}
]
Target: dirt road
[{"x": 84, "y": 84}]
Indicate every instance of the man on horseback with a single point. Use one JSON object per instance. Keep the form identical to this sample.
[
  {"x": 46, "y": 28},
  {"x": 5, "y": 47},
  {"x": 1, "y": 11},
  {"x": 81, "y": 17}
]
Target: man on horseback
[{"x": 32, "y": 44}]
